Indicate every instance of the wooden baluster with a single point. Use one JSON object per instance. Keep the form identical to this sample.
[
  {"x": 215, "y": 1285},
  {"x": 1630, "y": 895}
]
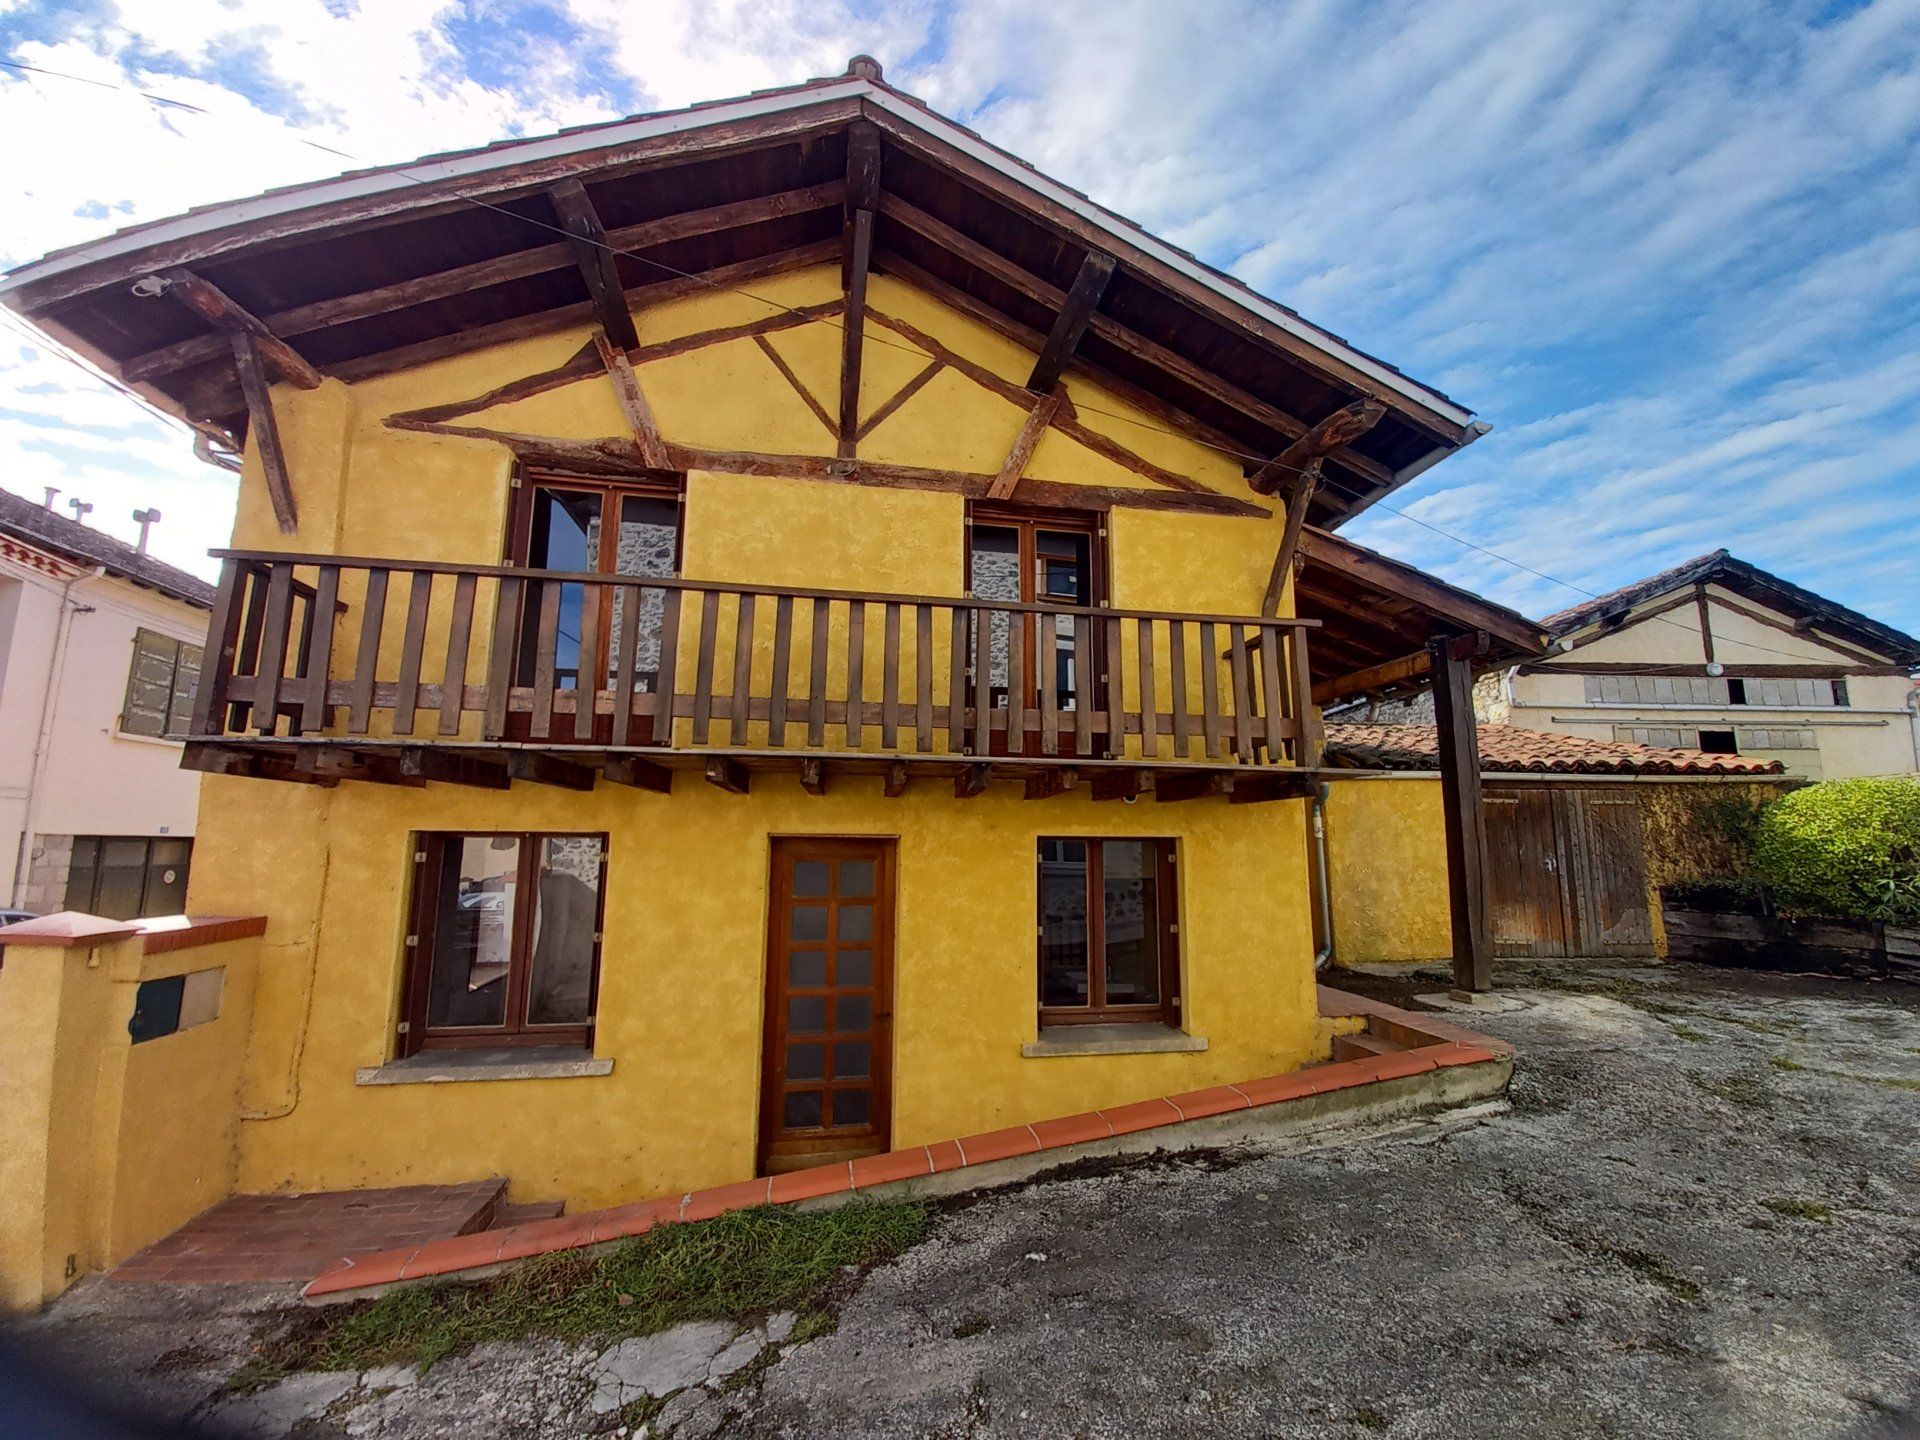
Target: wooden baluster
[
  {"x": 453, "y": 675},
  {"x": 626, "y": 652},
  {"x": 413, "y": 645},
  {"x": 366, "y": 658},
  {"x": 982, "y": 682},
  {"x": 1046, "y": 675},
  {"x": 1242, "y": 695},
  {"x": 856, "y": 672},
  {"x": 248, "y": 662},
  {"x": 1083, "y": 684},
  {"x": 223, "y": 638},
  {"x": 273, "y": 646},
  {"x": 1016, "y": 682},
  {"x": 890, "y": 678},
  {"x": 1209, "y": 691},
  {"x": 546, "y": 647},
  {"x": 957, "y": 682},
  {"x": 665, "y": 695},
  {"x": 1116, "y": 693},
  {"x": 923, "y": 677},
  {"x": 326, "y": 598},
  {"x": 1270, "y": 689},
  {"x": 782, "y": 665},
  {"x": 1149, "y": 712},
  {"x": 1306, "y": 749},
  {"x": 500, "y": 657},
  {"x": 703, "y": 666},
  {"x": 1177, "y": 684},
  {"x": 817, "y": 676},
  {"x": 587, "y": 674},
  {"x": 743, "y": 668}
]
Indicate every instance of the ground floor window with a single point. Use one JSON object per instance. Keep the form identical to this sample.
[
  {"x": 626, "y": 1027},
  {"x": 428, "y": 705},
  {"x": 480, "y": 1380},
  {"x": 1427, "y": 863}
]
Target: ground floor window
[
  {"x": 1107, "y": 932},
  {"x": 126, "y": 877},
  {"x": 505, "y": 942}
]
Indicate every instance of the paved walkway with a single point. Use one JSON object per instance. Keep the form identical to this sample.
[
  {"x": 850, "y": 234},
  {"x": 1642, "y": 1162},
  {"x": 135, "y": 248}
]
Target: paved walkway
[{"x": 1700, "y": 1218}]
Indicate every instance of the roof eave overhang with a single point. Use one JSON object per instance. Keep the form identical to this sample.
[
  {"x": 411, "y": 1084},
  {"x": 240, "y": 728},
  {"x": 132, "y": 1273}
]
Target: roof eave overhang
[{"x": 221, "y": 228}]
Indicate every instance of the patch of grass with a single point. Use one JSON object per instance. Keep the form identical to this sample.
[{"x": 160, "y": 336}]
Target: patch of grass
[
  {"x": 971, "y": 1326},
  {"x": 266, "y": 1366},
  {"x": 1781, "y": 1062},
  {"x": 1687, "y": 1032},
  {"x": 1368, "y": 1418},
  {"x": 636, "y": 1413},
  {"x": 812, "y": 1325},
  {"x": 1797, "y": 1209},
  {"x": 729, "y": 1268}
]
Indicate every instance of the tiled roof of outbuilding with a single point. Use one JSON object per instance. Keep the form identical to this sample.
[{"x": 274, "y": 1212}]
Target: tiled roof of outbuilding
[{"x": 1508, "y": 750}]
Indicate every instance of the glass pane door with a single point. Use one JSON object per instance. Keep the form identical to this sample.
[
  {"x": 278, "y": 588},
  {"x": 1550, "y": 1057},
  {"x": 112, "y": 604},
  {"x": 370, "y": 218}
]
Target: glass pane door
[{"x": 1033, "y": 561}]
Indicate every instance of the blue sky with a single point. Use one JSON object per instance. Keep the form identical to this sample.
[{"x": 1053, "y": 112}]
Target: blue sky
[{"x": 1671, "y": 252}]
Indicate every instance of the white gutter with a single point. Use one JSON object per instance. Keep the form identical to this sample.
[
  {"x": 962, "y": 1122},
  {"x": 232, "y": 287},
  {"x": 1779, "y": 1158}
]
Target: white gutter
[
  {"x": 1913, "y": 704},
  {"x": 389, "y": 179},
  {"x": 43, "y": 737}
]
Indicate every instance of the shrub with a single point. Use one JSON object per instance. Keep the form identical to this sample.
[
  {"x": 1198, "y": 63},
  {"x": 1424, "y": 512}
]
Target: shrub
[{"x": 1844, "y": 848}]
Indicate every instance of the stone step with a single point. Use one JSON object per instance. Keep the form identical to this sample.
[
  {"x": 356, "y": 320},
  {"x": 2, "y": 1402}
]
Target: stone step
[
  {"x": 1354, "y": 1047},
  {"x": 505, "y": 1214}
]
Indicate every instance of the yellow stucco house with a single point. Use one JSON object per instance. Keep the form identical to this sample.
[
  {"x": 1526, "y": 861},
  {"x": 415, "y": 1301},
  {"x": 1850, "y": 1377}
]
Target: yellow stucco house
[{"x": 769, "y": 633}]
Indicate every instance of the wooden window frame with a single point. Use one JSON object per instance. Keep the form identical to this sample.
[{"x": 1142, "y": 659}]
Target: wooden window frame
[
  {"x": 429, "y": 854},
  {"x": 1025, "y": 520},
  {"x": 1166, "y": 1011}
]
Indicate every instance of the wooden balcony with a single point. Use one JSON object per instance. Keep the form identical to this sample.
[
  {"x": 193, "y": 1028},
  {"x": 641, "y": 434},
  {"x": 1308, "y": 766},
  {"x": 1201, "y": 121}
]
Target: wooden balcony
[{"x": 323, "y": 668}]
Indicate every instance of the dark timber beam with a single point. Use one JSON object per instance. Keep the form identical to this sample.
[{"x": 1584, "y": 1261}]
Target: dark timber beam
[
  {"x": 640, "y": 774},
  {"x": 1344, "y": 426},
  {"x": 728, "y": 775},
  {"x": 222, "y": 760},
  {"x": 1191, "y": 787},
  {"x": 1465, "y": 823},
  {"x": 897, "y": 779},
  {"x": 1374, "y": 677},
  {"x": 454, "y": 769},
  {"x": 218, "y": 309},
  {"x": 550, "y": 770},
  {"x": 813, "y": 776},
  {"x": 265, "y": 430},
  {"x": 1121, "y": 784},
  {"x": 1055, "y": 780},
  {"x": 593, "y": 254},
  {"x": 1072, "y": 321},
  {"x": 1299, "y": 497},
  {"x": 633, "y": 404},
  {"x": 1024, "y": 444},
  {"x": 347, "y": 765},
  {"x": 856, "y": 262},
  {"x": 971, "y": 781}
]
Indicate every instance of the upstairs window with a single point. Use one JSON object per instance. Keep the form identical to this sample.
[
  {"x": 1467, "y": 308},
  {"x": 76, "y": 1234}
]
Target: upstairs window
[
  {"x": 160, "y": 685},
  {"x": 505, "y": 942},
  {"x": 1107, "y": 932}
]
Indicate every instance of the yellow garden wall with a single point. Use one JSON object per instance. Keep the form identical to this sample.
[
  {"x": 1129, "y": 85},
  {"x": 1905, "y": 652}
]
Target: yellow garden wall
[{"x": 1387, "y": 866}]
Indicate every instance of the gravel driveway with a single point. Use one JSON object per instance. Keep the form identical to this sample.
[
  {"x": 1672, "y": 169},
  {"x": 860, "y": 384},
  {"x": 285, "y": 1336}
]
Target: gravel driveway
[{"x": 1700, "y": 1216}]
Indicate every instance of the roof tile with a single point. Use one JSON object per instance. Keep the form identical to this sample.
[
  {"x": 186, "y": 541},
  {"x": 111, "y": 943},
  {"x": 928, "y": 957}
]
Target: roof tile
[{"x": 1507, "y": 749}]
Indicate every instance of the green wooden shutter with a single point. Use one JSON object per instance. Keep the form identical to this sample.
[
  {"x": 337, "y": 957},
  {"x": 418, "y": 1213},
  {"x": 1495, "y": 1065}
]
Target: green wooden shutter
[
  {"x": 186, "y": 681},
  {"x": 150, "y": 682}
]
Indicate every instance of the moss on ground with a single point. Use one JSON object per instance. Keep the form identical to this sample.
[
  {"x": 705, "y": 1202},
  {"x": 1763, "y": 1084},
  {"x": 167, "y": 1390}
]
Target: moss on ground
[
  {"x": 731, "y": 1268},
  {"x": 1795, "y": 1208}
]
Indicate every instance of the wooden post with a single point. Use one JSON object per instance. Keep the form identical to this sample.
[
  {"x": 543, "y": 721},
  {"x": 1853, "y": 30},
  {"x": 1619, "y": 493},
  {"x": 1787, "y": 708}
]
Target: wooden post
[{"x": 1460, "y": 801}]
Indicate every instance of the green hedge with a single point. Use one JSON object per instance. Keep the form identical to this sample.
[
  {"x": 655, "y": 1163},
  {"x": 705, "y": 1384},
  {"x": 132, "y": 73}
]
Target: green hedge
[{"x": 1844, "y": 848}]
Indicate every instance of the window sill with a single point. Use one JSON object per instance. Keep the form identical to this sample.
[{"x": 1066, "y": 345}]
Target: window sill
[
  {"x": 1122, "y": 1039},
  {"x": 448, "y": 1067}
]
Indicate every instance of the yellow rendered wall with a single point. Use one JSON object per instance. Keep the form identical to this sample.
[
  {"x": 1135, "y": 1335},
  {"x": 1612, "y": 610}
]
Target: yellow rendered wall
[
  {"x": 684, "y": 957},
  {"x": 1387, "y": 866}
]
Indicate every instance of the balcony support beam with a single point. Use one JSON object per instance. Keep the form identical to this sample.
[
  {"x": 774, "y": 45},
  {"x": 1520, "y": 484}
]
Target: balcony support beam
[
  {"x": 428, "y": 763},
  {"x": 544, "y": 769},
  {"x": 637, "y": 773},
  {"x": 1121, "y": 784},
  {"x": 1464, "y": 819},
  {"x": 972, "y": 781},
  {"x": 727, "y": 774}
]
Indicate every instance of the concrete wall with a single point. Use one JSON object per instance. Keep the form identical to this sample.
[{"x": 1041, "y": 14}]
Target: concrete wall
[
  {"x": 70, "y": 633},
  {"x": 683, "y": 968},
  {"x": 1872, "y": 735}
]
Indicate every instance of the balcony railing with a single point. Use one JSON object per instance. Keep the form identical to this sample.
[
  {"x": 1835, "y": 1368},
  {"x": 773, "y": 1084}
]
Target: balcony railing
[{"x": 417, "y": 652}]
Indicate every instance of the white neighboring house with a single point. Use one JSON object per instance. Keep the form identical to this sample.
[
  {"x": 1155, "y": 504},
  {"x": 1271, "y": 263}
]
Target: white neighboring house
[
  {"x": 1715, "y": 655},
  {"x": 100, "y": 648}
]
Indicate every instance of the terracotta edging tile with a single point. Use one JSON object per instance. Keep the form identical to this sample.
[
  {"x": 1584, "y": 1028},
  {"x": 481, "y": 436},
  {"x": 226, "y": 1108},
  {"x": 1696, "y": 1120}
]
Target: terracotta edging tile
[
  {"x": 1070, "y": 1130},
  {"x": 461, "y": 1252},
  {"x": 944, "y": 1155},
  {"x": 1141, "y": 1115},
  {"x": 721, "y": 1199},
  {"x": 1214, "y": 1100},
  {"x": 809, "y": 1184},
  {"x": 1278, "y": 1089},
  {"x": 1000, "y": 1144},
  {"x": 889, "y": 1166}
]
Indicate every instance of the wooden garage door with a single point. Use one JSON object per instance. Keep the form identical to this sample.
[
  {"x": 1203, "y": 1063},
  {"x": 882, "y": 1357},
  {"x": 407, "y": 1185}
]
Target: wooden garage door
[{"x": 1566, "y": 872}]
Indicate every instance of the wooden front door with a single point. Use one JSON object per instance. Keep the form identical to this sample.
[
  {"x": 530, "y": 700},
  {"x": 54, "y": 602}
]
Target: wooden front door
[
  {"x": 829, "y": 1029},
  {"x": 1566, "y": 872}
]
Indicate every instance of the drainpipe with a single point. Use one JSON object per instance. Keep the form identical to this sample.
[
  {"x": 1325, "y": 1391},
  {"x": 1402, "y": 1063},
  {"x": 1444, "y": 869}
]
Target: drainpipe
[
  {"x": 1913, "y": 704},
  {"x": 1322, "y": 895},
  {"x": 43, "y": 740}
]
